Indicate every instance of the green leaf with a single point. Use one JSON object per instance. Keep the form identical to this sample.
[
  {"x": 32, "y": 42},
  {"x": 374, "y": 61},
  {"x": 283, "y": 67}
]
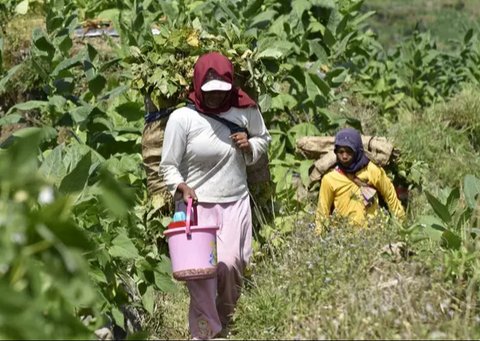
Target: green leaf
[
  {"x": 300, "y": 130},
  {"x": 316, "y": 86},
  {"x": 148, "y": 299},
  {"x": 96, "y": 84},
  {"x": 118, "y": 317},
  {"x": 52, "y": 167},
  {"x": 42, "y": 43},
  {"x": 271, "y": 52},
  {"x": 452, "y": 199},
  {"x": 440, "y": 209},
  {"x": 164, "y": 282},
  {"x": 91, "y": 52},
  {"x": 29, "y": 105},
  {"x": 265, "y": 102},
  {"x": 252, "y": 8},
  {"x": 98, "y": 275},
  {"x": 265, "y": 17},
  {"x": 58, "y": 102},
  {"x": 20, "y": 154},
  {"x": 433, "y": 227},
  {"x": 80, "y": 114},
  {"x": 282, "y": 101},
  {"x": 77, "y": 179},
  {"x": 67, "y": 64},
  {"x": 10, "y": 73},
  {"x": 10, "y": 119},
  {"x": 115, "y": 196},
  {"x": 328, "y": 37},
  {"x": 132, "y": 111},
  {"x": 468, "y": 36},
  {"x": 451, "y": 240},
  {"x": 338, "y": 75},
  {"x": 304, "y": 169},
  {"x": 319, "y": 51},
  {"x": 300, "y": 6},
  {"x": 123, "y": 247},
  {"x": 56, "y": 217},
  {"x": 471, "y": 190}
]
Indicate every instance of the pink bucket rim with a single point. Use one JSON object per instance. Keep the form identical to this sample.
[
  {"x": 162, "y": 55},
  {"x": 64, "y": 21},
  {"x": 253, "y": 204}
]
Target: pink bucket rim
[{"x": 177, "y": 230}]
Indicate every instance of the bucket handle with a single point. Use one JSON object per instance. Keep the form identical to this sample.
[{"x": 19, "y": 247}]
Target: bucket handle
[{"x": 187, "y": 222}]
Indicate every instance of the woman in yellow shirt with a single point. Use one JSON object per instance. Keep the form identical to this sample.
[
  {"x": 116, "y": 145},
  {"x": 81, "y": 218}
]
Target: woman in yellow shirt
[{"x": 350, "y": 188}]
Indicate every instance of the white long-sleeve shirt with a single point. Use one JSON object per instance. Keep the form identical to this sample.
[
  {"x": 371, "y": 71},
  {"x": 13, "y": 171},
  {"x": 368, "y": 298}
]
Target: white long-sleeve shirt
[{"x": 198, "y": 150}]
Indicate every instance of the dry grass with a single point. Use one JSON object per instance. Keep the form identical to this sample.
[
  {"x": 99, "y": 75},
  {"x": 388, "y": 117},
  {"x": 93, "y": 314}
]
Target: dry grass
[{"x": 344, "y": 286}]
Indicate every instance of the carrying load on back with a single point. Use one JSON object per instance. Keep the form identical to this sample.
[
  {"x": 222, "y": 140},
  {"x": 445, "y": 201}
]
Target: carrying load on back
[
  {"x": 377, "y": 148},
  {"x": 353, "y": 188},
  {"x": 165, "y": 82},
  {"x": 321, "y": 148}
]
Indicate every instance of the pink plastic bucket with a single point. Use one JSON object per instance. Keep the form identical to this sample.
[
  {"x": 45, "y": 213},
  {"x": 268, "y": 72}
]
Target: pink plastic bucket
[{"x": 193, "y": 250}]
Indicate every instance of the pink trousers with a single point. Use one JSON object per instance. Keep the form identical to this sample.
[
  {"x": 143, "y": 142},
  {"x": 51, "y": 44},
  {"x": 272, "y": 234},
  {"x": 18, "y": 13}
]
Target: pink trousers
[{"x": 212, "y": 301}]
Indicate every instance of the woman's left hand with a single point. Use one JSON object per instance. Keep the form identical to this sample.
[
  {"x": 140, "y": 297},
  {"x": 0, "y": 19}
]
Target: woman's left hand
[{"x": 241, "y": 141}]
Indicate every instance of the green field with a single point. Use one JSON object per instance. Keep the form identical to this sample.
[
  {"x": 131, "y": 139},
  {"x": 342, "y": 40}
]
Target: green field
[{"x": 445, "y": 19}]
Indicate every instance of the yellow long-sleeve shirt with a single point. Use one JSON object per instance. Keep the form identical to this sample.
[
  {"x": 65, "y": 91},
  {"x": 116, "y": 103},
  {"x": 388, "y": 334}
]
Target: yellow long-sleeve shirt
[{"x": 338, "y": 190}]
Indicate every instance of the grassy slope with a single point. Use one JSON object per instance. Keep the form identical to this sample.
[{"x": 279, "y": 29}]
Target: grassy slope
[{"x": 344, "y": 286}]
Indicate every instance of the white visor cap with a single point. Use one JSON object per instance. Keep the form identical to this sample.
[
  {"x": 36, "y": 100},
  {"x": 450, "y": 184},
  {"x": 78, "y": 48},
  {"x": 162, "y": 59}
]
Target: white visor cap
[{"x": 216, "y": 85}]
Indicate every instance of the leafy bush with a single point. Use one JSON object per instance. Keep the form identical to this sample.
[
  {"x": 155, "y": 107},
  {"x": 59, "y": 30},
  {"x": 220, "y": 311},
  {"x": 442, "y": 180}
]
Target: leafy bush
[
  {"x": 454, "y": 227},
  {"x": 417, "y": 74}
]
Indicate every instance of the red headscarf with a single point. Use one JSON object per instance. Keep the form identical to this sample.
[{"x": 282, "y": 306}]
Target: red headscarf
[{"x": 223, "y": 67}]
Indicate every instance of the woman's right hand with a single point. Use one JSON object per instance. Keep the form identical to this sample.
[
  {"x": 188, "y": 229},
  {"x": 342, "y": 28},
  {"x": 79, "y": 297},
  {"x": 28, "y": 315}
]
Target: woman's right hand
[{"x": 187, "y": 192}]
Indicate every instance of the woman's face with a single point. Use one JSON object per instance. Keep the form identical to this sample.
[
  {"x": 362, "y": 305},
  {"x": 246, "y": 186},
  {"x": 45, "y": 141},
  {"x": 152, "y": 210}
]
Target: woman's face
[
  {"x": 214, "y": 99},
  {"x": 344, "y": 155}
]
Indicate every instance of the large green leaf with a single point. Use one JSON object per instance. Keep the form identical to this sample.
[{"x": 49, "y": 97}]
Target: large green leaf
[
  {"x": 67, "y": 64},
  {"x": 132, "y": 111},
  {"x": 81, "y": 113},
  {"x": 10, "y": 119},
  {"x": 27, "y": 106},
  {"x": 10, "y": 73},
  {"x": 316, "y": 86},
  {"x": 263, "y": 18},
  {"x": 440, "y": 209},
  {"x": 271, "y": 52},
  {"x": 284, "y": 100},
  {"x": 52, "y": 167},
  {"x": 96, "y": 84},
  {"x": 471, "y": 190},
  {"x": 253, "y": 7},
  {"x": 123, "y": 247},
  {"x": 451, "y": 240},
  {"x": 41, "y": 42},
  {"x": 19, "y": 153},
  {"x": 164, "y": 282},
  {"x": 432, "y": 227},
  {"x": 148, "y": 299},
  {"x": 300, "y": 6},
  {"x": 117, "y": 197},
  {"x": 77, "y": 179},
  {"x": 56, "y": 216},
  {"x": 300, "y": 130},
  {"x": 319, "y": 51}
]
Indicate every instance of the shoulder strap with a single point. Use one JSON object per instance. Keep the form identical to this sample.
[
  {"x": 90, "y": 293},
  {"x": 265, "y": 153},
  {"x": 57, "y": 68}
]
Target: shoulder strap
[
  {"x": 234, "y": 128},
  {"x": 158, "y": 114},
  {"x": 353, "y": 178}
]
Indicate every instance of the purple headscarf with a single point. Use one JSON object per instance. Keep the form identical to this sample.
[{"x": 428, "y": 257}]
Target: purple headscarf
[{"x": 350, "y": 137}]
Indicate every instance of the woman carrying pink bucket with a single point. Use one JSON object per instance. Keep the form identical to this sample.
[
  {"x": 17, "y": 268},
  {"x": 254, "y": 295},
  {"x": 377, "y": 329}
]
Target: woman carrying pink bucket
[{"x": 204, "y": 160}]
